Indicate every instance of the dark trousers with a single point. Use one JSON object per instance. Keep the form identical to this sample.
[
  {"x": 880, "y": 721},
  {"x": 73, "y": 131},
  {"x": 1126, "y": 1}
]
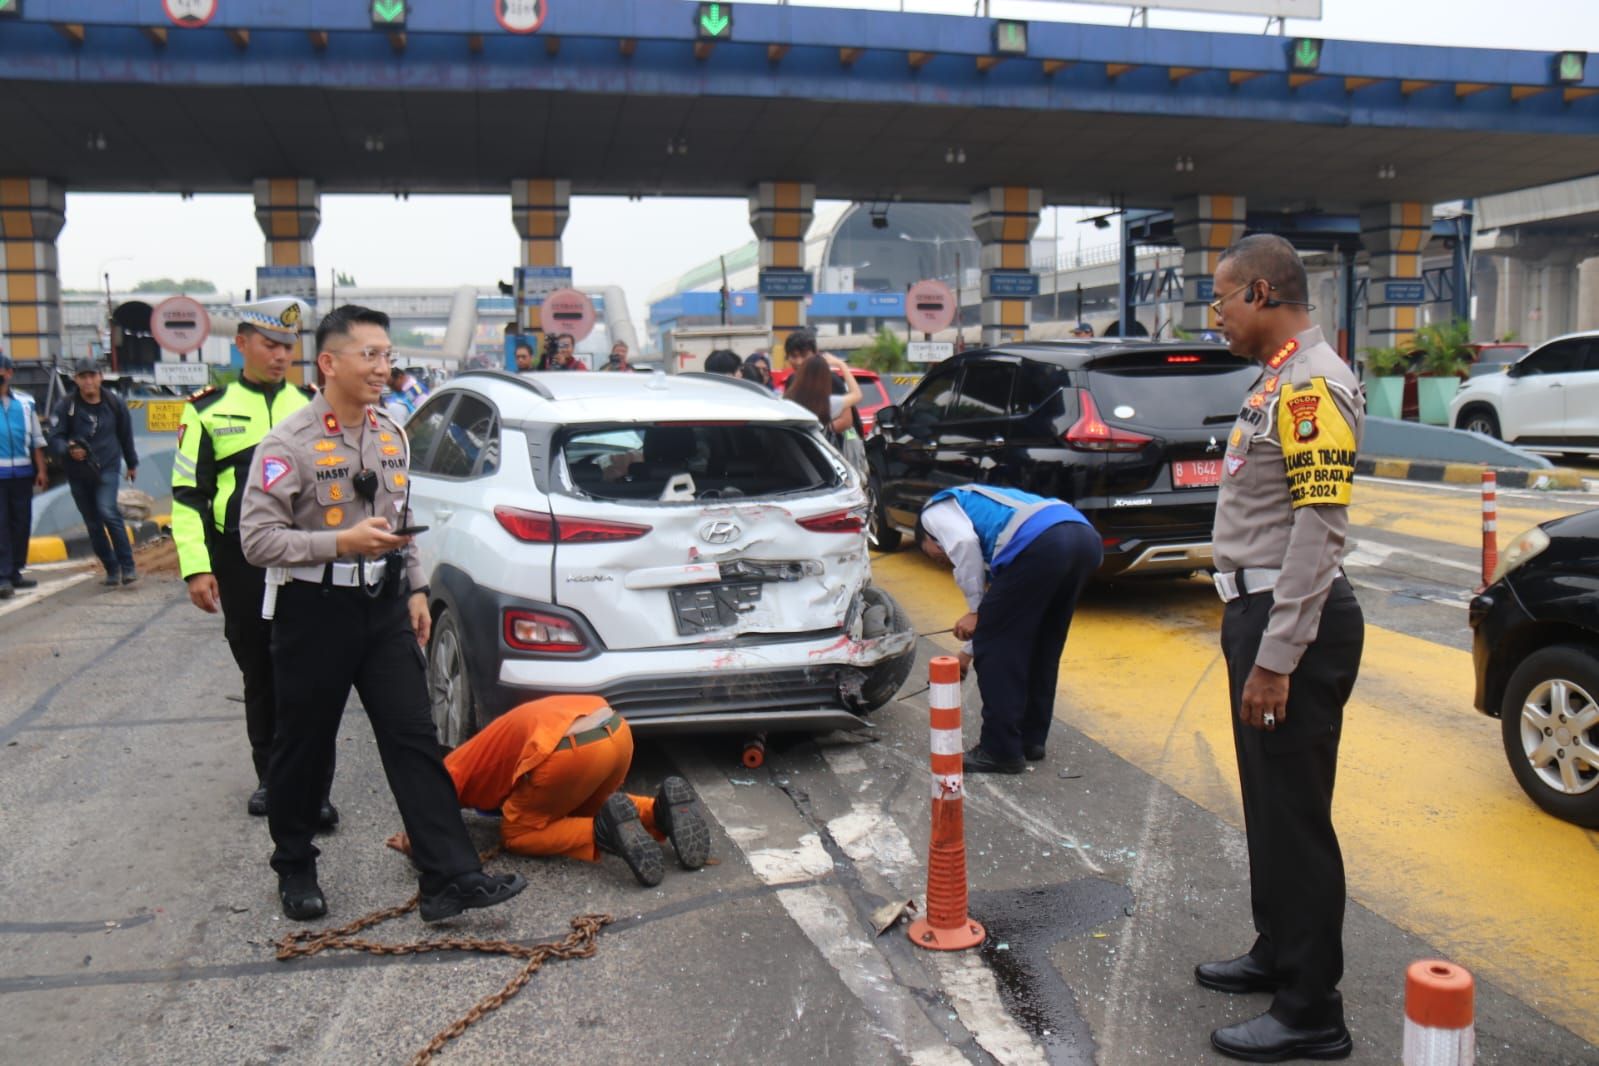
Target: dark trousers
[
  {"x": 16, "y": 523},
  {"x": 1296, "y": 871},
  {"x": 250, "y": 639},
  {"x": 96, "y": 498},
  {"x": 1021, "y": 631},
  {"x": 324, "y": 641}
]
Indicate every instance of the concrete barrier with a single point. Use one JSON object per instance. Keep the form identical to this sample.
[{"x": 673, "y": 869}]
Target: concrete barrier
[{"x": 1390, "y": 437}]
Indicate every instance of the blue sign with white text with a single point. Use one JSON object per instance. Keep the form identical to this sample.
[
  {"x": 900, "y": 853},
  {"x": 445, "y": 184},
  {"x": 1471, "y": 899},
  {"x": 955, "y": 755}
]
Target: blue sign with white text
[
  {"x": 1404, "y": 292},
  {"x": 789, "y": 283},
  {"x": 1018, "y": 283},
  {"x": 1205, "y": 289}
]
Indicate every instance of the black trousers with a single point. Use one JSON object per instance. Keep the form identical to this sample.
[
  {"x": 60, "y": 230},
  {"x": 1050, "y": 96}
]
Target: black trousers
[
  {"x": 1022, "y": 625},
  {"x": 250, "y": 639},
  {"x": 1296, "y": 870},
  {"x": 323, "y": 642},
  {"x": 16, "y": 521}
]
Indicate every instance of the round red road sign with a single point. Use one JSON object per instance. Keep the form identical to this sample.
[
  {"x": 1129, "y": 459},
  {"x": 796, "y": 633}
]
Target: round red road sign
[
  {"x": 929, "y": 306},
  {"x": 567, "y": 311},
  {"x": 521, "y": 16},
  {"x": 180, "y": 324},
  {"x": 190, "y": 14}
]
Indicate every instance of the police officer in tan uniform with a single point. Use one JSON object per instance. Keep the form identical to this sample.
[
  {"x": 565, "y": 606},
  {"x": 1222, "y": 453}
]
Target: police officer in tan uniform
[
  {"x": 1291, "y": 634},
  {"x": 323, "y": 506}
]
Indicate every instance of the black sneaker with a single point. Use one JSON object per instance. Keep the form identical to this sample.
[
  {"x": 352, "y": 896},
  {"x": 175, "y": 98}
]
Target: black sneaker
[
  {"x": 677, "y": 814},
  {"x": 618, "y": 831},
  {"x": 5, "y": 591},
  {"x": 979, "y": 761},
  {"x": 20, "y": 582},
  {"x": 470, "y": 891},
  {"x": 301, "y": 896},
  {"x": 1034, "y": 752},
  {"x": 258, "y": 802},
  {"x": 129, "y": 576},
  {"x": 327, "y": 816},
  {"x": 110, "y": 581}
]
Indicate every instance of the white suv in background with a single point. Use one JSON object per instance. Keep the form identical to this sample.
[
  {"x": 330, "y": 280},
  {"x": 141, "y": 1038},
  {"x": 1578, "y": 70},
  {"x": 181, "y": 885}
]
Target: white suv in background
[
  {"x": 687, "y": 547},
  {"x": 1549, "y": 398}
]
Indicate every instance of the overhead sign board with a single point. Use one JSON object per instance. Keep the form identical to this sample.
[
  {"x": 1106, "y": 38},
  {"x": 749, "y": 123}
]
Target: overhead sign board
[
  {"x": 190, "y": 14},
  {"x": 521, "y": 16},
  {"x": 567, "y": 311},
  {"x": 788, "y": 283},
  {"x": 183, "y": 375},
  {"x": 1404, "y": 292},
  {"x": 929, "y": 351},
  {"x": 929, "y": 306},
  {"x": 1276, "y": 9},
  {"x": 1010, "y": 283},
  {"x": 1205, "y": 290},
  {"x": 180, "y": 324},
  {"x": 296, "y": 281},
  {"x": 538, "y": 282}
]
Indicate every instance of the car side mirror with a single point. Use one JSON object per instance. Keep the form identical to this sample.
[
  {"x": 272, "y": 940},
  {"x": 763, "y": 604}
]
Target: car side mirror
[{"x": 888, "y": 417}]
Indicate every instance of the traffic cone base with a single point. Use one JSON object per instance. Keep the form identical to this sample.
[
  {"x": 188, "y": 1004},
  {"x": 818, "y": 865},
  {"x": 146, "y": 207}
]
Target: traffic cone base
[{"x": 957, "y": 939}]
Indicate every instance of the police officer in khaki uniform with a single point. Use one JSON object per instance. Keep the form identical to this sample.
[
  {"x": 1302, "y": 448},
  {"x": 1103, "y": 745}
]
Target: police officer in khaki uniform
[
  {"x": 325, "y": 499},
  {"x": 1292, "y": 635},
  {"x": 216, "y": 440}
]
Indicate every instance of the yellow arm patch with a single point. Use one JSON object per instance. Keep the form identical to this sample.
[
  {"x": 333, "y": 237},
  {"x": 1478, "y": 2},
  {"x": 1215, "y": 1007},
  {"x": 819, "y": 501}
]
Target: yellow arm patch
[{"x": 1318, "y": 446}]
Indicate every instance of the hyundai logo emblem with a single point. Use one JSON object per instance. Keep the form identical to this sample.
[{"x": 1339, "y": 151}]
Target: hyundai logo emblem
[{"x": 720, "y": 531}]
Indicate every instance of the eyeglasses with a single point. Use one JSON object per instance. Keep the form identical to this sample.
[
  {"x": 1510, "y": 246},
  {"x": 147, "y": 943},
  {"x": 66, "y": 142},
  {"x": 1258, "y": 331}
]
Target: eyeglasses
[
  {"x": 373, "y": 355},
  {"x": 1215, "y": 305}
]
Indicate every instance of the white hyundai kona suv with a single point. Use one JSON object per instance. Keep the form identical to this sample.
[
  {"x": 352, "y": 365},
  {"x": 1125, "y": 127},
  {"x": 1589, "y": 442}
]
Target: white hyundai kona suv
[{"x": 688, "y": 547}]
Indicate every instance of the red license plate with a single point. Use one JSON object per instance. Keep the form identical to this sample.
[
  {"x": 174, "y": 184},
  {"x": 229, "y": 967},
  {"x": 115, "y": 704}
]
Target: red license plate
[{"x": 1196, "y": 473}]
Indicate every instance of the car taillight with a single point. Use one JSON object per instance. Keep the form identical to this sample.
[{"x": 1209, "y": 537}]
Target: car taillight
[
  {"x": 1090, "y": 433},
  {"x": 834, "y": 522},
  {"x": 532, "y": 631},
  {"x": 1182, "y": 359},
  {"x": 535, "y": 528}
]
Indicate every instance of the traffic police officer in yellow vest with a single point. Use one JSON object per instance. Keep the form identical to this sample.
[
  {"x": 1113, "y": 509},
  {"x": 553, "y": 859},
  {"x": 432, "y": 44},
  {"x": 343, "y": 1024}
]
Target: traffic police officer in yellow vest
[
  {"x": 216, "y": 441},
  {"x": 1291, "y": 634},
  {"x": 325, "y": 505}
]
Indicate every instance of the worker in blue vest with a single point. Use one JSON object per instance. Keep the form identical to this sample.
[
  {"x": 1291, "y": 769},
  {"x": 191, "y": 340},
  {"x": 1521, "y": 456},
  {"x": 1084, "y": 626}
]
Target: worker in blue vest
[{"x": 1035, "y": 556}]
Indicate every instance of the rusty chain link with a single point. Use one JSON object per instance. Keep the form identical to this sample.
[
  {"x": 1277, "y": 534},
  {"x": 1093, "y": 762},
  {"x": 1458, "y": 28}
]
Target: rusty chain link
[{"x": 578, "y": 944}]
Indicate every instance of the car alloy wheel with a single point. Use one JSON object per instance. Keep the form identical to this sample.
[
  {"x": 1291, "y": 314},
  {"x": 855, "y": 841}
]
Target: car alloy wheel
[
  {"x": 1550, "y": 721},
  {"x": 1479, "y": 420},
  {"x": 449, "y": 692}
]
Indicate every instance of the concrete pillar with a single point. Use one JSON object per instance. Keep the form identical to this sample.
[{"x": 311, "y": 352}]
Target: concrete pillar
[
  {"x": 1510, "y": 309},
  {"x": 289, "y": 211},
  {"x": 1205, "y": 226},
  {"x": 1485, "y": 289},
  {"x": 539, "y": 210},
  {"x": 32, "y": 212},
  {"x": 780, "y": 215},
  {"x": 1588, "y": 294},
  {"x": 1394, "y": 235},
  {"x": 1560, "y": 294},
  {"x": 1004, "y": 217}
]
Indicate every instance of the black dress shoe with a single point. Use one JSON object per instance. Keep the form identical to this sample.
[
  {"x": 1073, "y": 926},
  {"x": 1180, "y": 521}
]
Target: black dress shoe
[
  {"x": 1034, "y": 752},
  {"x": 20, "y": 582},
  {"x": 617, "y": 830},
  {"x": 301, "y": 896},
  {"x": 327, "y": 816},
  {"x": 978, "y": 761},
  {"x": 1242, "y": 974},
  {"x": 258, "y": 802},
  {"x": 1265, "y": 1039},
  {"x": 469, "y": 891},
  {"x": 677, "y": 814}
]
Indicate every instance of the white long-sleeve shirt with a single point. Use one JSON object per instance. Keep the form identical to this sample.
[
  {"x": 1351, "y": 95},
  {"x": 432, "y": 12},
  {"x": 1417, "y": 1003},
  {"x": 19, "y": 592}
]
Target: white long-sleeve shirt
[{"x": 947, "y": 523}]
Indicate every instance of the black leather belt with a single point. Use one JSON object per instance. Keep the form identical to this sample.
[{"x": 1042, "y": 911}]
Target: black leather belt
[{"x": 589, "y": 736}]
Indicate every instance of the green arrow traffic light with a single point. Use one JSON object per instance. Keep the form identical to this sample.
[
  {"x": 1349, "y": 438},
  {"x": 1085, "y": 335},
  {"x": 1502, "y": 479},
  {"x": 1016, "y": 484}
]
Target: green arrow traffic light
[
  {"x": 10, "y": 8},
  {"x": 1010, "y": 38},
  {"x": 1569, "y": 67},
  {"x": 1306, "y": 53},
  {"x": 388, "y": 13},
  {"x": 715, "y": 21}
]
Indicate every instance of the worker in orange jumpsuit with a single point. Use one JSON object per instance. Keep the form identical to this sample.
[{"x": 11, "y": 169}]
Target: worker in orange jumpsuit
[{"x": 552, "y": 767}]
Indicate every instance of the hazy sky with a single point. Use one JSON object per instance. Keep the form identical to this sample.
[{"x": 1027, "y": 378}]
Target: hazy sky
[{"x": 451, "y": 240}]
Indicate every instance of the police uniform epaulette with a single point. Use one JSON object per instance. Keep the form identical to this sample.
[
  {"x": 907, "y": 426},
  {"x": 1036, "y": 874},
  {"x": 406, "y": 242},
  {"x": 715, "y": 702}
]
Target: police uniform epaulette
[
  {"x": 309, "y": 391},
  {"x": 205, "y": 397}
]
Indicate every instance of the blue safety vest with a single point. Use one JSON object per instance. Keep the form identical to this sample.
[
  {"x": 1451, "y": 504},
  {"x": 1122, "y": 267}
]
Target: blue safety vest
[
  {"x": 1007, "y": 520},
  {"x": 17, "y": 436}
]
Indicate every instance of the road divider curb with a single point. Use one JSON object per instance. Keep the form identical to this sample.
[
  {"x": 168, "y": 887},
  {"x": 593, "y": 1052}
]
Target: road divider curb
[
  {"x": 1440, "y": 1008},
  {"x": 1550, "y": 479},
  {"x": 75, "y": 545}
]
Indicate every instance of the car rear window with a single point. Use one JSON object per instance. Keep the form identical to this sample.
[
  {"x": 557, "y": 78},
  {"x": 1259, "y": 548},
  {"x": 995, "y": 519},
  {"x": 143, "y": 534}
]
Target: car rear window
[
  {"x": 1171, "y": 390},
  {"x": 671, "y": 462}
]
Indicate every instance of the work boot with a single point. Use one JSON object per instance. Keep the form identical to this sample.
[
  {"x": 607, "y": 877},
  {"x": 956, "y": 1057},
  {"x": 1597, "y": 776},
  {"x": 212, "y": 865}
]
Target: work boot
[
  {"x": 111, "y": 581},
  {"x": 618, "y": 831},
  {"x": 129, "y": 576},
  {"x": 5, "y": 590},
  {"x": 979, "y": 761},
  {"x": 327, "y": 816},
  {"x": 469, "y": 891},
  {"x": 258, "y": 802},
  {"x": 20, "y": 582},
  {"x": 301, "y": 896},
  {"x": 1034, "y": 752},
  {"x": 677, "y": 814}
]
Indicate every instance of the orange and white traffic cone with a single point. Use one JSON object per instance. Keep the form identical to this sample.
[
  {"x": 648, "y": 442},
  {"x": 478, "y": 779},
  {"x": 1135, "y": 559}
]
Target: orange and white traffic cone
[
  {"x": 1490, "y": 526},
  {"x": 1439, "y": 1010},
  {"x": 946, "y": 926}
]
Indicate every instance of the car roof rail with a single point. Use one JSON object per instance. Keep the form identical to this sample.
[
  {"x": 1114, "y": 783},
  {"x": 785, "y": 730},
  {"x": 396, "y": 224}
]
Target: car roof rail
[
  {"x": 729, "y": 379},
  {"x": 537, "y": 387}
]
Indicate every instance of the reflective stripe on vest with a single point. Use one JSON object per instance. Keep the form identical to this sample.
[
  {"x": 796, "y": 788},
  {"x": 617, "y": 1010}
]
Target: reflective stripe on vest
[{"x": 993, "y": 535}]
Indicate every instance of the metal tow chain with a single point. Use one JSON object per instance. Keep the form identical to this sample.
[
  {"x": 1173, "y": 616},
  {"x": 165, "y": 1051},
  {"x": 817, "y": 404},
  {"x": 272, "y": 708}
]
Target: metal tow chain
[{"x": 578, "y": 944}]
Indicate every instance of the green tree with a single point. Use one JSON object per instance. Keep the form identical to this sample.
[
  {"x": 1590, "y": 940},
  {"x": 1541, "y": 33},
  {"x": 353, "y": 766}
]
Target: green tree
[
  {"x": 341, "y": 278},
  {"x": 190, "y": 285},
  {"x": 886, "y": 354}
]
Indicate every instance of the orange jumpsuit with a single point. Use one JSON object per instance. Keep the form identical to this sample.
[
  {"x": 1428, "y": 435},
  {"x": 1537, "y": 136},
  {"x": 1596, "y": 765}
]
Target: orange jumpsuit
[{"x": 547, "y": 791}]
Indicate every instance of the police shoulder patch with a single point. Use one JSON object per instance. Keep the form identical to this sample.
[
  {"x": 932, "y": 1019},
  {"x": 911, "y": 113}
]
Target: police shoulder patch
[
  {"x": 1318, "y": 445},
  {"x": 273, "y": 470}
]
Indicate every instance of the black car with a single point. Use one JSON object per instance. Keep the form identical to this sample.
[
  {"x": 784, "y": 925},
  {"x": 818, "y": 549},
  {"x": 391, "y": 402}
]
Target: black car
[
  {"x": 1535, "y": 645},
  {"x": 1130, "y": 432}
]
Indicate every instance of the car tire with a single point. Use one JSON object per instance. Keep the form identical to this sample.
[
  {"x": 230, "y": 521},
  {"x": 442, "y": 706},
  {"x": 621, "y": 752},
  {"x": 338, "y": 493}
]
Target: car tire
[
  {"x": 449, "y": 688},
  {"x": 882, "y": 536},
  {"x": 1555, "y": 775},
  {"x": 1479, "y": 419},
  {"x": 885, "y": 679}
]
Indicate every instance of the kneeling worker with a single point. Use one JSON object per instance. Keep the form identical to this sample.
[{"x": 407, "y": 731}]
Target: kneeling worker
[
  {"x": 1040, "y": 554},
  {"x": 552, "y": 767}
]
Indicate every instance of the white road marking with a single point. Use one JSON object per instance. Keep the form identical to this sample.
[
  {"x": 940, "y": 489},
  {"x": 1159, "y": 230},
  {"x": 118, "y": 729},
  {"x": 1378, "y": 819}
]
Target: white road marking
[
  {"x": 45, "y": 590},
  {"x": 972, "y": 989},
  {"x": 1374, "y": 553},
  {"x": 869, "y": 835},
  {"x": 784, "y": 866}
]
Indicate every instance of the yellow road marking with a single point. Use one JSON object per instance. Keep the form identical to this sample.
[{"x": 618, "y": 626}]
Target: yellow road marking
[
  {"x": 1450, "y": 517},
  {"x": 1437, "y": 837}
]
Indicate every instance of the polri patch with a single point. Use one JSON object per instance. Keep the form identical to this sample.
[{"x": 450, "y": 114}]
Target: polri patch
[{"x": 272, "y": 471}]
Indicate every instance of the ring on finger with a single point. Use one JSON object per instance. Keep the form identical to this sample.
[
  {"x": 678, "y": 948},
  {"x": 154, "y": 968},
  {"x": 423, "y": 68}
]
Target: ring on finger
[{"x": 1271, "y": 721}]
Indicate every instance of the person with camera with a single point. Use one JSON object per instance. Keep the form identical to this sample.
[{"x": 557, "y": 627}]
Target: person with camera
[
  {"x": 93, "y": 433},
  {"x": 325, "y": 505},
  {"x": 21, "y": 471}
]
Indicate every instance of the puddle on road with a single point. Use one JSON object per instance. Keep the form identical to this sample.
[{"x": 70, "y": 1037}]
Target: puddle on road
[{"x": 1029, "y": 922}]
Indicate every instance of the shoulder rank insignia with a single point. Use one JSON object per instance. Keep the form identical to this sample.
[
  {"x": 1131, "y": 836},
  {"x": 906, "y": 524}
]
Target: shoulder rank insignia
[
  {"x": 208, "y": 390},
  {"x": 1283, "y": 354},
  {"x": 372, "y": 418},
  {"x": 330, "y": 422}
]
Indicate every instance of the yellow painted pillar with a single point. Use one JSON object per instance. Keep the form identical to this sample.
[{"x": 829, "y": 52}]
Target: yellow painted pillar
[
  {"x": 1394, "y": 236},
  {"x": 1004, "y": 218},
  {"x": 1205, "y": 226},
  {"x": 289, "y": 211},
  {"x": 32, "y": 212},
  {"x": 780, "y": 214},
  {"x": 539, "y": 209}
]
